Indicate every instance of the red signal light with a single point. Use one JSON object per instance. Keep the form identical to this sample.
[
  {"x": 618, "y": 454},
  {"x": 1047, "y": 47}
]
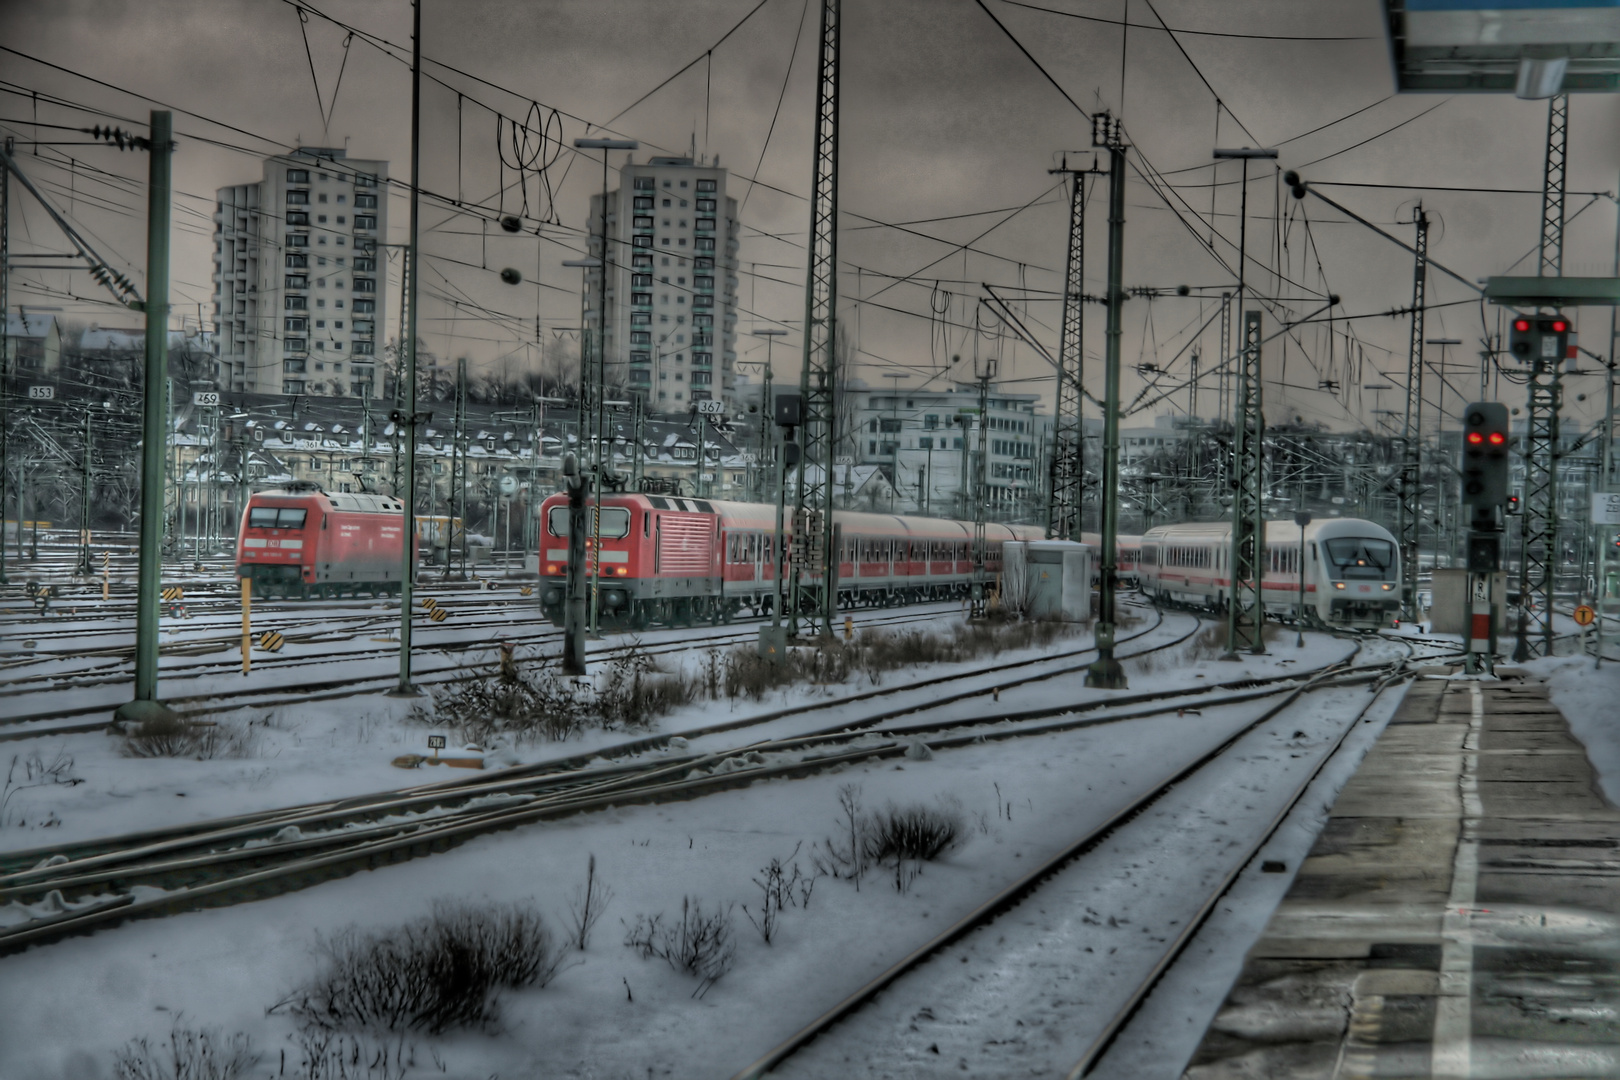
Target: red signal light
[
  {"x": 1521, "y": 325},
  {"x": 1559, "y": 326},
  {"x": 1475, "y": 437},
  {"x": 1497, "y": 438}
]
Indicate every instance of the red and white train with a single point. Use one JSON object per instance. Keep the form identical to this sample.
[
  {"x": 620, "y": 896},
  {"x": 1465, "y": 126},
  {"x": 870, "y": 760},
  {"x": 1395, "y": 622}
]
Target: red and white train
[
  {"x": 678, "y": 560},
  {"x": 1352, "y": 569},
  {"x": 1127, "y": 553},
  {"x": 299, "y": 541}
]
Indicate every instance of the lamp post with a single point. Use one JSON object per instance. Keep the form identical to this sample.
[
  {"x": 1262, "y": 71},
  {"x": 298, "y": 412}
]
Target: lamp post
[{"x": 1301, "y": 519}]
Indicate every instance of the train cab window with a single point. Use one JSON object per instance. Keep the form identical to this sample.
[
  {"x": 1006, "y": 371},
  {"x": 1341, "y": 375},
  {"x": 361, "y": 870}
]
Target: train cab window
[
  {"x": 276, "y": 517},
  {"x": 1361, "y": 557},
  {"x": 614, "y": 523}
]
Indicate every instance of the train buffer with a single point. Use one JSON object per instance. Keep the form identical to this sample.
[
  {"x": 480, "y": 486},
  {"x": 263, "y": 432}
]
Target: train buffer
[
  {"x": 271, "y": 641},
  {"x": 1459, "y": 901}
]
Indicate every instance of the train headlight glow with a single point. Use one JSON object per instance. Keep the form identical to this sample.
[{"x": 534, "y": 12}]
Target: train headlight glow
[
  {"x": 551, "y": 568},
  {"x": 623, "y": 571},
  {"x": 1387, "y": 586},
  {"x": 1338, "y": 584}
]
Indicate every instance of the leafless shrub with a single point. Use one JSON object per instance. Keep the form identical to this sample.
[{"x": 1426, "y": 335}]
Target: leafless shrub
[
  {"x": 902, "y": 838},
  {"x": 916, "y": 833},
  {"x": 844, "y": 857},
  {"x": 187, "y": 1054},
  {"x": 634, "y": 692},
  {"x": 781, "y": 888},
  {"x": 586, "y": 908},
  {"x": 330, "y": 1055},
  {"x": 703, "y": 946},
  {"x": 36, "y": 773},
  {"x": 438, "y": 973}
]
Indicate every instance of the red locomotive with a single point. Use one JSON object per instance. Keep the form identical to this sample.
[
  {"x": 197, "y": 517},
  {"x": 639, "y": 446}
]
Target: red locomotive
[
  {"x": 678, "y": 561},
  {"x": 300, "y": 541}
]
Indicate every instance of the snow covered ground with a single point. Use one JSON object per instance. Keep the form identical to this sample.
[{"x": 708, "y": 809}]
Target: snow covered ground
[{"x": 64, "y": 1008}]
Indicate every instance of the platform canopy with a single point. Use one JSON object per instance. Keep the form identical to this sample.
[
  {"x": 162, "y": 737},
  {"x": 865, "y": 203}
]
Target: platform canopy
[{"x": 1532, "y": 48}]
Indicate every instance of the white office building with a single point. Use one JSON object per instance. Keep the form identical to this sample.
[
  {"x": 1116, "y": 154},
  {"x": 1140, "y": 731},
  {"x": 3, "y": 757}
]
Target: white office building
[
  {"x": 299, "y": 292},
  {"x": 928, "y": 440},
  {"x": 671, "y": 297}
]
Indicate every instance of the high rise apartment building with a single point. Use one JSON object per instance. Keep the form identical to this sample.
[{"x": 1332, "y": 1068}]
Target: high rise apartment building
[
  {"x": 299, "y": 292},
  {"x": 671, "y": 296}
]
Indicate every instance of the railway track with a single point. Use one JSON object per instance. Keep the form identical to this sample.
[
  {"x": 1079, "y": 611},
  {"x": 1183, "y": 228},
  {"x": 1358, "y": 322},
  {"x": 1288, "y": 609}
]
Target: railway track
[
  {"x": 347, "y": 684},
  {"x": 83, "y": 887},
  {"x": 1070, "y": 858}
]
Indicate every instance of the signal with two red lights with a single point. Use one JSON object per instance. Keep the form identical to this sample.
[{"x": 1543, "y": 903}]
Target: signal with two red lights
[
  {"x": 1540, "y": 338},
  {"x": 1485, "y": 458}
]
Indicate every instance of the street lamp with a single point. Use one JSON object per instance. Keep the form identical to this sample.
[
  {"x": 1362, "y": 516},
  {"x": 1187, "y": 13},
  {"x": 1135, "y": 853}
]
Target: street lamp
[{"x": 1301, "y": 519}]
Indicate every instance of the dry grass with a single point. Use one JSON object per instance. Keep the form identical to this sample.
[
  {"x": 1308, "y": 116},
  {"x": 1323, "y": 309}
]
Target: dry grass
[{"x": 175, "y": 737}]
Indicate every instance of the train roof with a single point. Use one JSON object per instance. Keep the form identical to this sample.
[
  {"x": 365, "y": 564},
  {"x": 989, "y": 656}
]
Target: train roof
[
  {"x": 358, "y": 502},
  {"x": 1275, "y": 530}
]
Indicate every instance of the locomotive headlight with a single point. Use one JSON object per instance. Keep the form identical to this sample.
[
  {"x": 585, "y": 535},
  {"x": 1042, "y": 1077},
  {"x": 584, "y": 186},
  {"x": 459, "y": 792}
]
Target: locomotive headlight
[
  {"x": 1387, "y": 586},
  {"x": 623, "y": 571},
  {"x": 1338, "y": 584},
  {"x": 551, "y": 568}
]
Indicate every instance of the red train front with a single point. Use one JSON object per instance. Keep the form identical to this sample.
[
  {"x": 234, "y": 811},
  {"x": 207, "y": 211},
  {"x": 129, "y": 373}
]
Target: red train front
[{"x": 300, "y": 541}]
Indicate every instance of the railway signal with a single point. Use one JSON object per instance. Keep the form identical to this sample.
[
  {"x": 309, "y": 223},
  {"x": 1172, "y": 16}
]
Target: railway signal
[
  {"x": 1486, "y": 438},
  {"x": 1540, "y": 338}
]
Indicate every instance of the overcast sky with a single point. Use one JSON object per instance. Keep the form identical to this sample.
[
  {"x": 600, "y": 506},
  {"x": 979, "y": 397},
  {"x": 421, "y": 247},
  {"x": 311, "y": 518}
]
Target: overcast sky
[{"x": 942, "y": 116}]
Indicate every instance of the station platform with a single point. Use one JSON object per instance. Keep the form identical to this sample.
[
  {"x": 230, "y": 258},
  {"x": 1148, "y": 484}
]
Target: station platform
[{"x": 1459, "y": 915}]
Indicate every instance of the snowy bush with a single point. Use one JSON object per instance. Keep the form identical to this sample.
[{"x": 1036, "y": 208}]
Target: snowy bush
[
  {"x": 780, "y": 887},
  {"x": 36, "y": 773},
  {"x": 187, "y": 1054},
  {"x": 435, "y": 974},
  {"x": 331, "y": 1055},
  {"x": 918, "y": 833},
  {"x": 901, "y": 838},
  {"x": 700, "y": 945},
  {"x": 175, "y": 737}
]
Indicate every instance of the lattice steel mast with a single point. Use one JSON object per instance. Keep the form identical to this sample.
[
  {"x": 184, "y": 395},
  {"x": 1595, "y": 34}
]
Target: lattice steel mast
[
  {"x": 1244, "y": 613},
  {"x": 1068, "y": 435},
  {"x": 1538, "y": 526},
  {"x": 1411, "y": 481},
  {"x": 815, "y": 568}
]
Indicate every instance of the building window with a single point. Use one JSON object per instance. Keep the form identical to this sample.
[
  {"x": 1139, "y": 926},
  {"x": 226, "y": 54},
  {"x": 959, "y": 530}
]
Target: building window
[
  {"x": 297, "y": 176},
  {"x": 703, "y": 359},
  {"x": 702, "y": 185},
  {"x": 640, "y": 358},
  {"x": 925, "y": 443},
  {"x": 295, "y": 303},
  {"x": 703, "y": 281},
  {"x": 296, "y": 325},
  {"x": 297, "y": 217},
  {"x": 701, "y": 300},
  {"x": 702, "y": 319},
  {"x": 702, "y": 376},
  {"x": 297, "y": 198},
  {"x": 322, "y": 196},
  {"x": 363, "y": 348},
  {"x": 644, "y": 183},
  {"x": 642, "y": 241},
  {"x": 703, "y": 262},
  {"x": 641, "y": 298},
  {"x": 297, "y": 262},
  {"x": 297, "y": 240},
  {"x": 363, "y": 284},
  {"x": 363, "y": 326},
  {"x": 643, "y": 222},
  {"x": 340, "y": 219},
  {"x": 702, "y": 243},
  {"x": 640, "y": 375},
  {"x": 705, "y": 206},
  {"x": 296, "y": 281},
  {"x": 364, "y": 180},
  {"x": 641, "y": 318},
  {"x": 292, "y": 386},
  {"x": 293, "y": 367},
  {"x": 363, "y": 202},
  {"x": 704, "y": 224},
  {"x": 365, "y": 221}
]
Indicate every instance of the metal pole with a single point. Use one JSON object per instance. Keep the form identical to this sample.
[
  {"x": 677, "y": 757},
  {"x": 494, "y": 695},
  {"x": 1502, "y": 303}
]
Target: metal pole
[
  {"x": 1410, "y": 527},
  {"x": 5, "y": 354},
  {"x": 1106, "y": 671},
  {"x": 85, "y": 569},
  {"x": 1301, "y": 519},
  {"x": 407, "y": 570},
  {"x": 145, "y": 706}
]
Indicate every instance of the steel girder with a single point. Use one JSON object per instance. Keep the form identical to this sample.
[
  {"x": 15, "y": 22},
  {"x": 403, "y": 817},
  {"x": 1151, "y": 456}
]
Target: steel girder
[{"x": 1245, "y": 615}]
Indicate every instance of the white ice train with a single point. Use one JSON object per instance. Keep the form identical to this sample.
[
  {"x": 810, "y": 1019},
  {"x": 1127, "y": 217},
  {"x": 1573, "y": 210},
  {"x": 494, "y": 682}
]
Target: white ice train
[{"x": 1352, "y": 569}]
